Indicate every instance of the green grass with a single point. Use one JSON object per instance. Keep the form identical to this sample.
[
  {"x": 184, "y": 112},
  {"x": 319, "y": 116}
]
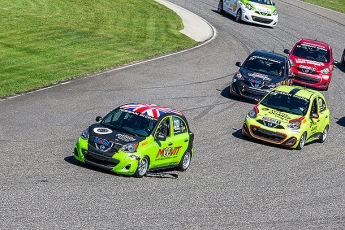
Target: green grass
[
  {"x": 337, "y": 5},
  {"x": 43, "y": 42}
]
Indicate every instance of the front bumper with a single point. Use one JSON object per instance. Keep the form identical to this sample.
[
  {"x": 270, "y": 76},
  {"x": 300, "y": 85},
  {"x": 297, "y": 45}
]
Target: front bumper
[
  {"x": 285, "y": 138},
  {"x": 313, "y": 81},
  {"x": 240, "y": 89},
  {"x": 253, "y": 17},
  {"x": 120, "y": 163}
]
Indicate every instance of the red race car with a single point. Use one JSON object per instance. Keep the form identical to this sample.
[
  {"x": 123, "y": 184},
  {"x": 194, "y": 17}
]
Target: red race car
[{"x": 311, "y": 63}]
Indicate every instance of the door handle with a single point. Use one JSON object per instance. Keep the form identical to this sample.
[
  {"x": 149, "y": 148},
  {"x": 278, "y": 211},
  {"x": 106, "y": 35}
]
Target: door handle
[{"x": 170, "y": 144}]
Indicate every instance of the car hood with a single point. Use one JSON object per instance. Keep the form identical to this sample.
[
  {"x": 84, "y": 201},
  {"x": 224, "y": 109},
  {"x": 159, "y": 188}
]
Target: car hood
[
  {"x": 262, "y": 8},
  {"x": 255, "y": 76},
  {"x": 114, "y": 136},
  {"x": 306, "y": 64},
  {"x": 275, "y": 116}
]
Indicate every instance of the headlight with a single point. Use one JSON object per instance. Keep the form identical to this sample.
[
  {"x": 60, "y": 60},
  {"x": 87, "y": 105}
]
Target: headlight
[
  {"x": 275, "y": 12},
  {"x": 85, "y": 134},
  {"x": 253, "y": 113},
  {"x": 325, "y": 70},
  {"x": 130, "y": 147},
  {"x": 295, "y": 123},
  {"x": 292, "y": 63},
  {"x": 273, "y": 85},
  {"x": 238, "y": 76},
  {"x": 249, "y": 7}
]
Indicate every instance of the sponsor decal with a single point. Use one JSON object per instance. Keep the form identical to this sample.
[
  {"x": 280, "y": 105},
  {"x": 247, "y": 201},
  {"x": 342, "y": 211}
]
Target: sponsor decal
[
  {"x": 310, "y": 62},
  {"x": 144, "y": 143},
  {"x": 259, "y": 75},
  {"x": 280, "y": 115},
  {"x": 125, "y": 137},
  {"x": 168, "y": 152},
  {"x": 102, "y": 144},
  {"x": 101, "y": 130},
  {"x": 308, "y": 68},
  {"x": 271, "y": 120}
]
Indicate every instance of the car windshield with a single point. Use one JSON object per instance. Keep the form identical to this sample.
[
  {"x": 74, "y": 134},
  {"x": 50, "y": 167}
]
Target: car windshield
[
  {"x": 265, "y": 2},
  {"x": 315, "y": 53},
  {"x": 286, "y": 102},
  {"x": 265, "y": 65},
  {"x": 130, "y": 122}
]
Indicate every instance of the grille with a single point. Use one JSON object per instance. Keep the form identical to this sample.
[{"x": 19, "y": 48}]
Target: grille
[
  {"x": 264, "y": 14},
  {"x": 306, "y": 79},
  {"x": 307, "y": 71},
  {"x": 268, "y": 135},
  {"x": 97, "y": 158},
  {"x": 262, "y": 20},
  {"x": 269, "y": 124}
]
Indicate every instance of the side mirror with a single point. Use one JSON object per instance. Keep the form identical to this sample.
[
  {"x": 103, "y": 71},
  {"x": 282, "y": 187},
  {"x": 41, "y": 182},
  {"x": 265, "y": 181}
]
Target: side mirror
[
  {"x": 238, "y": 64},
  {"x": 98, "y": 118},
  {"x": 314, "y": 115},
  {"x": 286, "y": 51},
  {"x": 161, "y": 137},
  {"x": 256, "y": 100}
]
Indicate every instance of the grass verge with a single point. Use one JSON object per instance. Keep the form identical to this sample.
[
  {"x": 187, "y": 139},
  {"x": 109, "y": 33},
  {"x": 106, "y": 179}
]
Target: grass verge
[{"x": 43, "y": 42}]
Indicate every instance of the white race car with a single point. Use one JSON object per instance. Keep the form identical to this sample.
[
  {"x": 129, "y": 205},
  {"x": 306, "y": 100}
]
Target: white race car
[{"x": 262, "y": 12}]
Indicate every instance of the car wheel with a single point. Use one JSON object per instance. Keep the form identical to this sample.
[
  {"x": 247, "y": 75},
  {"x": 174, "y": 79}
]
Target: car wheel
[
  {"x": 229, "y": 92},
  {"x": 324, "y": 134},
  {"x": 302, "y": 140},
  {"x": 220, "y": 7},
  {"x": 342, "y": 62},
  {"x": 185, "y": 161},
  {"x": 239, "y": 16},
  {"x": 142, "y": 167}
]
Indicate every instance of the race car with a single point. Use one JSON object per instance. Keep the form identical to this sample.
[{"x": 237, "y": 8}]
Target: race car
[
  {"x": 311, "y": 63},
  {"x": 289, "y": 116},
  {"x": 261, "y": 72},
  {"x": 261, "y": 12},
  {"x": 342, "y": 60},
  {"x": 135, "y": 138}
]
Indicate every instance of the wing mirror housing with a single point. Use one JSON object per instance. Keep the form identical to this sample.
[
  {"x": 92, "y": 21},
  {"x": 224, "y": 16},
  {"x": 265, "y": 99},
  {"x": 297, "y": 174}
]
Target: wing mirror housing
[{"x": 98, "y": 118}]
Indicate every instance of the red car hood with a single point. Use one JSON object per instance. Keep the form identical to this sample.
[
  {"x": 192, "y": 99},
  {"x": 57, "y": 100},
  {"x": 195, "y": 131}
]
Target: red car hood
[{"x": 303, "y": 63}]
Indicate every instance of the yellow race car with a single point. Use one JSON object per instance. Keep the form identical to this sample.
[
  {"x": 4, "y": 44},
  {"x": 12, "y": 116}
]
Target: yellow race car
[{"x": 289, "y": 116}]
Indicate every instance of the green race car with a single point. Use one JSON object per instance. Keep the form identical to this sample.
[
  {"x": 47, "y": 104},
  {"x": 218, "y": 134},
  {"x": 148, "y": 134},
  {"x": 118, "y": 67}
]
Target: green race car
[
  {"x": 136, "y": 138},
  {"x": 290, "y": 116}
]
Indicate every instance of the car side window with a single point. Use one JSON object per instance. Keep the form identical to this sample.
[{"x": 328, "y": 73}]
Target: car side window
[
  {"x": 164, "y": 127},
  {"x": 179, "y": 126},
  {"x": 322, "y": 104},
  {"x": 314, "y": 107}
]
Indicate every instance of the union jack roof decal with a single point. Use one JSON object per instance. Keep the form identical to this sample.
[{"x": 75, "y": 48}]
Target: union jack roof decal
[{"x": 150, "y": 109}]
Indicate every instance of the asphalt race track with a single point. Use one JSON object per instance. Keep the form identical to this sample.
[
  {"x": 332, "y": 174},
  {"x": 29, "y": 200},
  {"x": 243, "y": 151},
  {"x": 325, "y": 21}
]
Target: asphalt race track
[{"x": 232, "y": 183}]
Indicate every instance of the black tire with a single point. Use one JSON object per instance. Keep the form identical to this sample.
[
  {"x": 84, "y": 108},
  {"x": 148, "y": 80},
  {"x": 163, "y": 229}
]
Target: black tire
[
  {"x": 229, "y": 92},
  {"x": 220, "y": 7},
  {"x": 185, "y": 161},
  {"x": 302, "y": 141},
  {"x": 324, "y": 134},
  {"x": 342, "y": 61},
  {"x": 143, "y": 166},
  {"x": 238, "y": 16}
]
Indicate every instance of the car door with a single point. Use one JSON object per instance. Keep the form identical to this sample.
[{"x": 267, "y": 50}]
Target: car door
[
  {"x": 314, "y": 121},
  {"x": 323, "y": 114},
  {"x": 181, "y": 138},
  {"x": 230, "y": 6},
  {"x": 171, "y": 140}
]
